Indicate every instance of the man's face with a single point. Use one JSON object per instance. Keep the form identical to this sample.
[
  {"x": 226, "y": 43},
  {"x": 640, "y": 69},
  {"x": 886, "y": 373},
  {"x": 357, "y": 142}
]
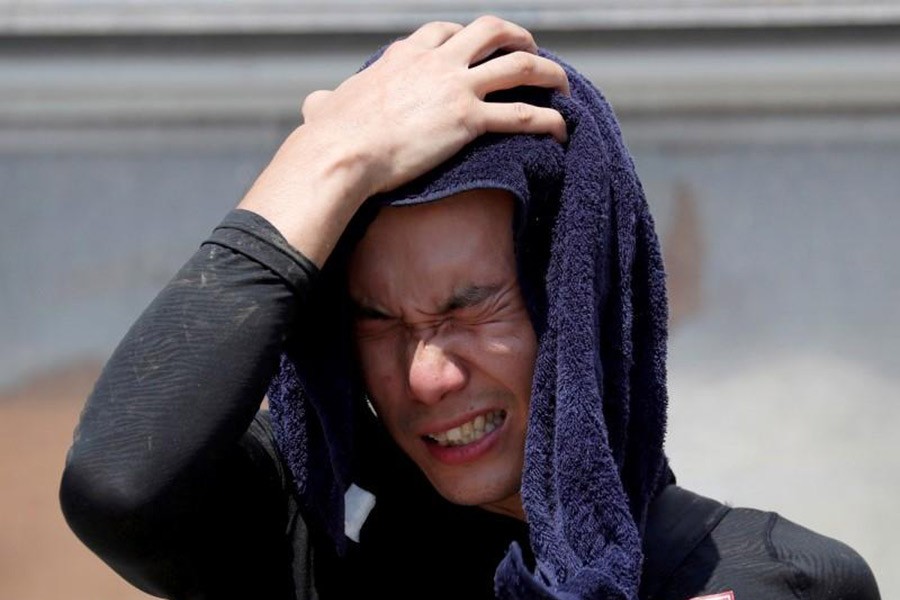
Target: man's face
[{"x": 445, "y": 342}]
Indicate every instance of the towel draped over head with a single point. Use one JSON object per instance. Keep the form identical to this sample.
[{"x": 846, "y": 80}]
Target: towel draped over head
[{"x": 591, "y": 272}]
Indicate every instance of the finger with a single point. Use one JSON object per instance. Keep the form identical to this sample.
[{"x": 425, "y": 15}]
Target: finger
[
  {"x": 519, "y": 117},
  {"x": 519, "y": 68},
  {"x": 432, "y": 35},
  {"x": 485, "y": 35},
  {"x": 313, "y": 102}
]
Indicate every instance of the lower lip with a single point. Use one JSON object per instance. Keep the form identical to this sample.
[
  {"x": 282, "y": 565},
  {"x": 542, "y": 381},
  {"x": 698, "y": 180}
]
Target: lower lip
[{"x": 457, "y": 455}]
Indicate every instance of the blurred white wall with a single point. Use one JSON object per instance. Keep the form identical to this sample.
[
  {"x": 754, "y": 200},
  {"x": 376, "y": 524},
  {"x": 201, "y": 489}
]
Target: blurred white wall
[{"x": 767, "y": 135}]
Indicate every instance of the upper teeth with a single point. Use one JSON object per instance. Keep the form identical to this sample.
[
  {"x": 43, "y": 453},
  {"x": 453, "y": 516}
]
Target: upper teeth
[{"x": 467, "y": 433}]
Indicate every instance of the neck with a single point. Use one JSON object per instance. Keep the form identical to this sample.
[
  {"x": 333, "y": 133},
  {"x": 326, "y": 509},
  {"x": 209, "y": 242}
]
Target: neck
[{"x": 510, "y": 507}]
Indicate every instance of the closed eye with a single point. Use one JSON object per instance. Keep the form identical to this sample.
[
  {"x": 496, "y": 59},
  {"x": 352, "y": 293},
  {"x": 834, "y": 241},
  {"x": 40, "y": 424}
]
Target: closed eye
[{"x": 368, "y": 313}]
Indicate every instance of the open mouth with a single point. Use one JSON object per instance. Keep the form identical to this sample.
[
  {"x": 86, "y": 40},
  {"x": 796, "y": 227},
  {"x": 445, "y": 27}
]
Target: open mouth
[{"x": 468, "y": 432}]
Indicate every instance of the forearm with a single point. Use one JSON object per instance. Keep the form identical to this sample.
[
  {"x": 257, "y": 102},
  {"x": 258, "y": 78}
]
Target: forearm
[
  {"x": 311, "y": 189},
  {"x": 156, "y": 458}
]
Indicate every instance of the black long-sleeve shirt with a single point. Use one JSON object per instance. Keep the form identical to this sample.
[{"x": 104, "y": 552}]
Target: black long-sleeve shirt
[{"x": 174, "y": 480}]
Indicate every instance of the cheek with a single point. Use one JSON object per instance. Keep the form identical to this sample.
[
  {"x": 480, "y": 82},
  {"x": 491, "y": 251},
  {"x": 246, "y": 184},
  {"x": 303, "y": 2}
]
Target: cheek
[
  {"x": 385, "y": 387},
  {"x": 379, "y": 364},
  {"x": 511, "y": 352}
]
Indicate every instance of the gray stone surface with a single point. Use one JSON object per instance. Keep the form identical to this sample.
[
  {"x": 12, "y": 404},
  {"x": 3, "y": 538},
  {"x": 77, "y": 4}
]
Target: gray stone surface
[
  {"x": 785, "y": 381},
  {"x": 204, "y": 16}
]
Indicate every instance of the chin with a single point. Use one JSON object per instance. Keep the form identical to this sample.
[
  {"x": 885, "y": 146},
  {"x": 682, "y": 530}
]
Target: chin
[{"x": 482, "y": 489}]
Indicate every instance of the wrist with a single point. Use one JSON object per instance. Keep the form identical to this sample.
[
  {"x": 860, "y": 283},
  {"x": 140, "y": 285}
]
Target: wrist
[{"x": 311, "y": 189}]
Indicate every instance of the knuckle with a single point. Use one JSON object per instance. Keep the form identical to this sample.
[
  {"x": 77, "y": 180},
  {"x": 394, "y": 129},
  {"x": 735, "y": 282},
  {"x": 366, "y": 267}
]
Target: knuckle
[
  {"x": 475, "y": 126},
  {"x": 500, "y": 30},
  {"x": 464, "y": 117},
  {"x": 309, "y": 103},
  {"x": 430, "y": 25},
  {"x": 523, "y": 63},
  {"x": 461, "y": 113},
  {"x": 496, "y": 28},
  {"x": 492, "y": 23},
  {"x": 446, "y": 25},
  {"x": 527, "y": 37},
  {"x": 393, "y": 48},
  {"x": 523, "y": 113}
]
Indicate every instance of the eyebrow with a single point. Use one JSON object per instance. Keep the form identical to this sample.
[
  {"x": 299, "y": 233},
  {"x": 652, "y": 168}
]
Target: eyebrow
[{"x": 469, "y": 296}]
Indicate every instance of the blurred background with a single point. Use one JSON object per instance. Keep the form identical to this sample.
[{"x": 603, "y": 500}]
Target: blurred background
[{"x": 766, "y": 132}]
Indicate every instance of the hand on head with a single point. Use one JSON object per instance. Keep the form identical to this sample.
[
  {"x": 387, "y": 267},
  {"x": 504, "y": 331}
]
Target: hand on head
[
  {"x": 422, "y": 101},
  {"x": 416, "y": 106}
]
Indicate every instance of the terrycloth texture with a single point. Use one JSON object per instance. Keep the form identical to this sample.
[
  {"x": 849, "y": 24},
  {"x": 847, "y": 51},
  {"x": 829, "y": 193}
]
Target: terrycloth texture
[{"x": 591, "y": 271}]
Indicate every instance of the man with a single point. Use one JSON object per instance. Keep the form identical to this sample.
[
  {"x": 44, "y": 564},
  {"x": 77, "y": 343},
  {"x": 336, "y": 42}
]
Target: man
[{"x": 497, "y": 300}]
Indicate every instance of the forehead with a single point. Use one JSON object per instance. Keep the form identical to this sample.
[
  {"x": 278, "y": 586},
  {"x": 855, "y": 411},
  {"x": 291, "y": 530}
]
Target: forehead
[{"x": 425, "y": 251}]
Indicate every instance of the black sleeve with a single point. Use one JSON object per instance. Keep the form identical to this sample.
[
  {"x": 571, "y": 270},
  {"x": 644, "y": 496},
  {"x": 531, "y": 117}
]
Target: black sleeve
[
  {"x": 166, "y": 480},
  {"x": 756, "y": 554},
  {"x": 697, "y": 547},
  {"x": 822, "y": 567}
]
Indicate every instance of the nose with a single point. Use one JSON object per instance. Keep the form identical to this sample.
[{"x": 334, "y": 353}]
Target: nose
[{"x": 434, "y": 372}]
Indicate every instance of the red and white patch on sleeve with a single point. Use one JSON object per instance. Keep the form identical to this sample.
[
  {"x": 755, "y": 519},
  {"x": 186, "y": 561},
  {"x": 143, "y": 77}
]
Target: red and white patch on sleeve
[{"x": 729, "y": 595}]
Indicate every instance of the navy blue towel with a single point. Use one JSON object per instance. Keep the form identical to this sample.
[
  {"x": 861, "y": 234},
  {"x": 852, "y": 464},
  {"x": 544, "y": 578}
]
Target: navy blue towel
[{"x": 591, "y": 271}]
